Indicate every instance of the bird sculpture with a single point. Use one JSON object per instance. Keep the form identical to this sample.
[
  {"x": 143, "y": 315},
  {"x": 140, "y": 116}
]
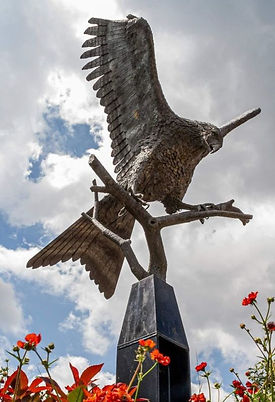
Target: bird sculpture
[{"x": 154, "y": 151}]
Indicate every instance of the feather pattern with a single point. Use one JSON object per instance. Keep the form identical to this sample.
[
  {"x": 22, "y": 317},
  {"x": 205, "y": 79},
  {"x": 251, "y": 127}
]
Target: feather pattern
[
  {"x": 82, "y": 240},
  {"x": 122, "y": 62},
  {"x": 129, "y": 72}
]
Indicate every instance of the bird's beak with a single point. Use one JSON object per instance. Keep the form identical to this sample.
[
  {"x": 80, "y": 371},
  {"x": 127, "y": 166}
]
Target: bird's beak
[
  {"x": 215, "y": 148},
  {"x": 231, "y": 125}
]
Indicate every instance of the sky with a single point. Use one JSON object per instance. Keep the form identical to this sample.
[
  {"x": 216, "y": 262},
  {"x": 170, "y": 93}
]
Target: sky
[{"x": 215, "y": 60}]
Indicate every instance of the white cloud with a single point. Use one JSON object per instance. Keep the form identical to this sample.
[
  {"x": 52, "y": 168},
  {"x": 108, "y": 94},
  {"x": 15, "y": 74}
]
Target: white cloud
[
  {"x": 209, "y": 69},
  {"x": 11, "y": 313},
  {"x": 216, "y": 395},
  {"x": 98, "y": 322},
  {"x": 61, "y": 371}
]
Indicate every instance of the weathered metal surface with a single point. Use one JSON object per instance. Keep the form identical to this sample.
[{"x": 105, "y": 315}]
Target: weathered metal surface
[
  {"x": 152, "y": 312},
  {"x": 154, "y": 150}
]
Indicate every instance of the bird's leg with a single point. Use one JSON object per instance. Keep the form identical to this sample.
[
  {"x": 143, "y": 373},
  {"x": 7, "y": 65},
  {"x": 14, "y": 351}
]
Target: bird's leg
[
  {"x": 173, "y": 205},
  {"x": 198, "y": 207},
  {"x": 138, "y": 197}
]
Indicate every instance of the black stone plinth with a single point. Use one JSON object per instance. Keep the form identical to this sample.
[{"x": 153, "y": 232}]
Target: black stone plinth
[{"x": 152, "y": 312}]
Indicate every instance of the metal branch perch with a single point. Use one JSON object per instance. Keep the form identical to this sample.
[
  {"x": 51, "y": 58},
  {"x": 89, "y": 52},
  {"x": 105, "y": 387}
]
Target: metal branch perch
[
  {"x": 155, "y": 153},
  {"x": 152, "y": 225}
]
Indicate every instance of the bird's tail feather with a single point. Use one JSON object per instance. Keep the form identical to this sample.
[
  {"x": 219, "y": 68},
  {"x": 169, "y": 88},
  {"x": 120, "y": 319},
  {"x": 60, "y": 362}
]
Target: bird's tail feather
[{"x": 82, "y": 240}]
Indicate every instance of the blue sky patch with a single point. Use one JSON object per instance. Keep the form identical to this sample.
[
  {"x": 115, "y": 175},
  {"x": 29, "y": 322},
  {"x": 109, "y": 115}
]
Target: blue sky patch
[
  {"x": 61, "y": 138},
  {"x": 13, "y": 237}
]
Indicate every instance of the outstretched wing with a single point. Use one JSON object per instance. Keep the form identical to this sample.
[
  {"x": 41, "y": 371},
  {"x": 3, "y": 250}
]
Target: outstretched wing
[
  {"x": 82, "y": 240},
  {"x": 128, "y": 87}
]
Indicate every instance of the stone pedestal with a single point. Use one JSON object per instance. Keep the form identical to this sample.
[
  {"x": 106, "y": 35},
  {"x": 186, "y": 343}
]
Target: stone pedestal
[{"x": 152, "y": 312}]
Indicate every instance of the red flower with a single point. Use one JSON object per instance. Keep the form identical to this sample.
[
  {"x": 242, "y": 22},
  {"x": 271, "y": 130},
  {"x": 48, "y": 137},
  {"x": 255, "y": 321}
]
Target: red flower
[
  {"x": 111, "y": 393},
  {"x": 148, "y": 343},
  {"x": 271, "y": 326},
  {"x": 250, "y": 298},
  {"x": 239, "y": 388},
  {"x": 32, "y": 340},
  {"x": 240, "y": 391},
  {"x": 198, "y": 398},
  {"x": 201, "y": 367},
  {"x": 160, "y": 358},
  {"x": 245, "y": 399},
  {"x": 85, "y": 379},
  {"x": 252, "y": 388}
]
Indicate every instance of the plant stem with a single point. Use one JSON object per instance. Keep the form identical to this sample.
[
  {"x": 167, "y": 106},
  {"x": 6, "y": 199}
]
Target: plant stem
[
  {"x": 227, "y": 396},
  {"x": 150, "y": 369},
  {"x": 264, "y": 356},
  {"x": 48, "y": 372},
  {"x": 209, "y": 388},
  {"x": 18, "y": 376},
  {"x": 134, "y": 376},
  {"x": 139, "y": 382}
]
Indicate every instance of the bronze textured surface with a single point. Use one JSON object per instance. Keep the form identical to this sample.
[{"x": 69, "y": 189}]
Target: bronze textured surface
[
  {"x": 155, "y": 152},
  {"x": 82, "y": 240}
]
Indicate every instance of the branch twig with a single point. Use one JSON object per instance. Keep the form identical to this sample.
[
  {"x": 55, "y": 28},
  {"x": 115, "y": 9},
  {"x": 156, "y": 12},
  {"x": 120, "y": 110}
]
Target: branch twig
[
  {"x": 124, "y": 244},
  {"x": 152, "y": 225}
]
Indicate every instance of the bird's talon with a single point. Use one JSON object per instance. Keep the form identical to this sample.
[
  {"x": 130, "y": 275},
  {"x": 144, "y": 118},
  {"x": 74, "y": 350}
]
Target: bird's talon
[
  {"x": 122, "y": 212},
  {"x": 139, "y": 198}
]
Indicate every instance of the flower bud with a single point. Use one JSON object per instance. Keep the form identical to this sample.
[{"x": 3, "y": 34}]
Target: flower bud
[
  {"x": 15, "y": 349},
  {"x": 217, "y": 385},
  {"x": 253, "y": 317},
  {"x": 247, "y": 373},
  {"x": 242, "y": 326},
  {"x": 270, "y": 299},
  {"x": 26, "y": 360},
  {"x": 258, "y": 340},
  {"x": 231, "y": 370},
  {"x": 51, "y": 346},
  {"x": 45, "y": 363}
]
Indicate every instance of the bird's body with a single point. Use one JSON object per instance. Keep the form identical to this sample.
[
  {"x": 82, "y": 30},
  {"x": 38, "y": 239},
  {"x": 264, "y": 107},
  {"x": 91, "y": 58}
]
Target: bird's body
[
  {"x": 154, "y": 150},
  {"x": 165, "y": 165}
]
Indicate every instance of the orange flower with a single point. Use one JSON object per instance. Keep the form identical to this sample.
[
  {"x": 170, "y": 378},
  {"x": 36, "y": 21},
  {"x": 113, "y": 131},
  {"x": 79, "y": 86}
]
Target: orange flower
[
  {"x": 147, "y": 343},
  {"x": 160, "y": 358},
  {"x": 32, "y": 340},
  {"x": 111, "y": 393},
  {"x": 85, "y": 378}
]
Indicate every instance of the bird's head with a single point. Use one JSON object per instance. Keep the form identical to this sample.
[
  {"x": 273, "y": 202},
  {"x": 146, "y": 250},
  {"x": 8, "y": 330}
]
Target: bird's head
[{"x": 213, "y": 136}]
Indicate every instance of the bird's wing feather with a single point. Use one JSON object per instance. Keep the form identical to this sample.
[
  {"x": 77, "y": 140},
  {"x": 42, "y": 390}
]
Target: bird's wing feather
[
  {"x": 84, "y": 241},
  {"x": 127, "y": 83}
]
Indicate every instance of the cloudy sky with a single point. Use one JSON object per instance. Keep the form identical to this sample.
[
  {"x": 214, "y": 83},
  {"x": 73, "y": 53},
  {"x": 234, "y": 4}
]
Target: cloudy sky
[{"x": 215, "y": 60}]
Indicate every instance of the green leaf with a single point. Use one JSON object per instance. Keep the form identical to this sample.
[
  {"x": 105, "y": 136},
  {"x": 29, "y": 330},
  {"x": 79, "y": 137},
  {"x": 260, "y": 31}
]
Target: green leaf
[
  {"x": 13, "y": 355},
  {"x": 53, "y": 362},
  {"x": 76, "y": 395}
]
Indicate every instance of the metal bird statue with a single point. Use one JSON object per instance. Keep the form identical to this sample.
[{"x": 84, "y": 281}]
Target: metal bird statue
[{"x": 154, "y": 150}]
